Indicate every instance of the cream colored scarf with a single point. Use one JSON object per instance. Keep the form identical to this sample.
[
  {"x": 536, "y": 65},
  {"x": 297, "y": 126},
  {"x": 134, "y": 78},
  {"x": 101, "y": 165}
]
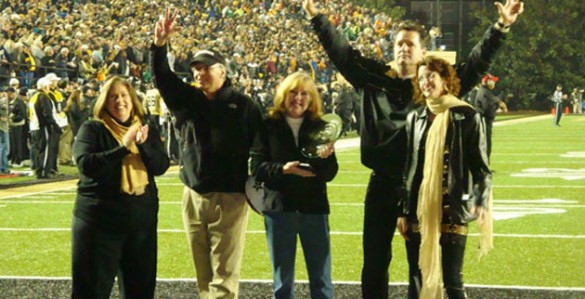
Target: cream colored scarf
[
  {"x": 430, "y": 201},
  {"x": 134, "y": 175}
]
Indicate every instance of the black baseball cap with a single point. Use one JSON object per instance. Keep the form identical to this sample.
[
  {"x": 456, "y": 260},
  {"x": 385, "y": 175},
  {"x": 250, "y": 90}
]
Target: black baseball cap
[
  {"x": 10, "y": 89},
  {"x": 208, "y": 57}
]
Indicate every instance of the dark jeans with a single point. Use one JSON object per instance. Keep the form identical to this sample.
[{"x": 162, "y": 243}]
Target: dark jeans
[
  {"x": 282, "y": 229},
  {"x": 98, "y": 256},
  {"x": 453, "y": 249},
  {"x": 379, "y": 225}
]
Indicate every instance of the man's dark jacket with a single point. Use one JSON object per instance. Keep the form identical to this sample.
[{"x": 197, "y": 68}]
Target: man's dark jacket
[
  {"x": 215, "y": 135},
  {"x": 387, "y": 99},
  {"x": 486, "y": 103}
]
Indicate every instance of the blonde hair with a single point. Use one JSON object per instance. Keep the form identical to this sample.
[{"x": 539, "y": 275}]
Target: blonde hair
[
  {"x": 100, "y": 105},
  {"x": 315, "y": 109}
]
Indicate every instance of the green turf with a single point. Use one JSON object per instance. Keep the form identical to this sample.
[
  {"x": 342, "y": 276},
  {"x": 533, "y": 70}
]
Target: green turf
[{"x": 543, "y": 249}]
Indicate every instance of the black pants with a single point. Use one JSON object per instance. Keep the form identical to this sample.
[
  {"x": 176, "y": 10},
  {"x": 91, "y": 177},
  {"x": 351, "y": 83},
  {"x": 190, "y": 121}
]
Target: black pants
[
  {"x": 18, "y": 144},
  {"x": 99, "y": 256},
  {"x": 489, "y": 122},
  {"x": 453, "y": 249},
  {"x": 379, "y": 225},
  {"x": 42, "y": 152},
  {"x": 558, "y": 113}
]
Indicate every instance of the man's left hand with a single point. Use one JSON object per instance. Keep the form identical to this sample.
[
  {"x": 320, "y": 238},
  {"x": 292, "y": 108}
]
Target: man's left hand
[{"x": 509, "y": 12}]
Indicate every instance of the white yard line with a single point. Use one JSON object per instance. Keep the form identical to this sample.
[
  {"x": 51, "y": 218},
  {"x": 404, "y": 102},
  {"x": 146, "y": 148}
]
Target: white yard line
[
  {"x": 333, "y": 233},
  {"x": 499, "y": 203},
  {"x": 336, "y": 282}
]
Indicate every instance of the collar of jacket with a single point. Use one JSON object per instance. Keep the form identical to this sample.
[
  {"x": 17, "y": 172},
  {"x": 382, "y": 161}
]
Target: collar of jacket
[
  {"x": 456, "y": 113},
  {"x": 224, "y": 94}
]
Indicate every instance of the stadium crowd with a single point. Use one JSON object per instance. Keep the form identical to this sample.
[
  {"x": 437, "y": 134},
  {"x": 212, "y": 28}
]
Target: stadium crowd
[{"x": 78, "y": 44}]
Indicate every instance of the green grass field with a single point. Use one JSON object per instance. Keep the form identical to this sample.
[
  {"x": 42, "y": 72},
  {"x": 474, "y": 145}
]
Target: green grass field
[{"x": 539, "y": 241}]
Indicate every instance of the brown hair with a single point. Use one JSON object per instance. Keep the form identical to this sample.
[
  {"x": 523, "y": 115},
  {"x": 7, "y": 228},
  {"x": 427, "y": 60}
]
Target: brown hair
[
  {"x": 100, "y": 105},
  {"x": 414, "y": 26},
  {"x": 445, "y": 70},
  {"x": 291, "y": 82}
]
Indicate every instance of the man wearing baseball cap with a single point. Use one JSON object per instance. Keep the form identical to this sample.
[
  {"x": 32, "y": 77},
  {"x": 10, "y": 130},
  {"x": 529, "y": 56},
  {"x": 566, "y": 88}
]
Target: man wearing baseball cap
[
  {"x": 44, "y": 129},
  {"x": 218, "y": 127}
]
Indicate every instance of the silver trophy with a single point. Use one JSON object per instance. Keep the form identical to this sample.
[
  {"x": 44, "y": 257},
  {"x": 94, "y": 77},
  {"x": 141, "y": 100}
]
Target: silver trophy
[{"x": 321, "y": 138}]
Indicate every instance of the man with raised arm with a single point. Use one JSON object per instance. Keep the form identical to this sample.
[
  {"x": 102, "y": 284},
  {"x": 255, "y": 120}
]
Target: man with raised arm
[
  {"x": 218, "y": 125},
  {"x": 387, "y": 94}
]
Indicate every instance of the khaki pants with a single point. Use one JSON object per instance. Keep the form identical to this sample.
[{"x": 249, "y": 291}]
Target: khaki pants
[
  {"x": 216, "y": 229},
  {"x": 65, "y": 142}
]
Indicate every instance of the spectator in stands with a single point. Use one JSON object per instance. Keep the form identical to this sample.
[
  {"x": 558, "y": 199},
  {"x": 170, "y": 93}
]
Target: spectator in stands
[
  {"x": 115, "y": 217},
  {"x": 48, "y": 63},
  {"x": 300, "y": 207},
  {"x": 446, "y": 167},
  {"x": 65, "y": 63}
]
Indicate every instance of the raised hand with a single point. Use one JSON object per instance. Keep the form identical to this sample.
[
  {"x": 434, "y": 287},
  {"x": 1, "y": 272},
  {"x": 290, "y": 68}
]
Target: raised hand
[
  {"x": 509, "y": 12},
  {"x": 310, "y": 8},
  {"x": 166, "y": 27}
]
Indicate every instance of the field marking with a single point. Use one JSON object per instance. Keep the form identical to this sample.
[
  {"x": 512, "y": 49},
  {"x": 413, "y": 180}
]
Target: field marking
[
  {"x": 574, "y": 155},
  {"x": 508, "y": 203},
  {"x": 524, "y": 154},
  {"x": 333, "y": 233},
  {"x": 563, "y": 173},
  {"x": 533, "y": 162},
  {"x": 336, "y": 282},
  {"x": 520, "y": 120},
  {"x": 494, "y": 186}
]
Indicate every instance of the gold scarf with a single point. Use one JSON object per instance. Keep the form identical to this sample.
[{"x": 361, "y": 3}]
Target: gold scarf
[
  {"x": 134, "y": 175},
  {"x": 430, "y": 201}
]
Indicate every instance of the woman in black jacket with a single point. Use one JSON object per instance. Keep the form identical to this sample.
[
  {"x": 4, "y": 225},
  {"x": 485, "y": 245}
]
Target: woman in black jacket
[
  {"x": 115, "y": 215},
  {"x": 447, "y": 182},
  {"x": 299, "y": 205}
]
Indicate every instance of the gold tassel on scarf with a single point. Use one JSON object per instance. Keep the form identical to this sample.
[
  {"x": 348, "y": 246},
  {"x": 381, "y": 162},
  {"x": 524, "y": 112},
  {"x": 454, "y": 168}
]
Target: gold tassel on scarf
[
  {"x": 486, "y": 231},
  {"x": 134, "y": 175}
]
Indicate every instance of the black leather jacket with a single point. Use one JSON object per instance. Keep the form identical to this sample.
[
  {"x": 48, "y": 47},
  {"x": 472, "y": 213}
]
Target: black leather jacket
[{"x": 469, "y": 179}]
